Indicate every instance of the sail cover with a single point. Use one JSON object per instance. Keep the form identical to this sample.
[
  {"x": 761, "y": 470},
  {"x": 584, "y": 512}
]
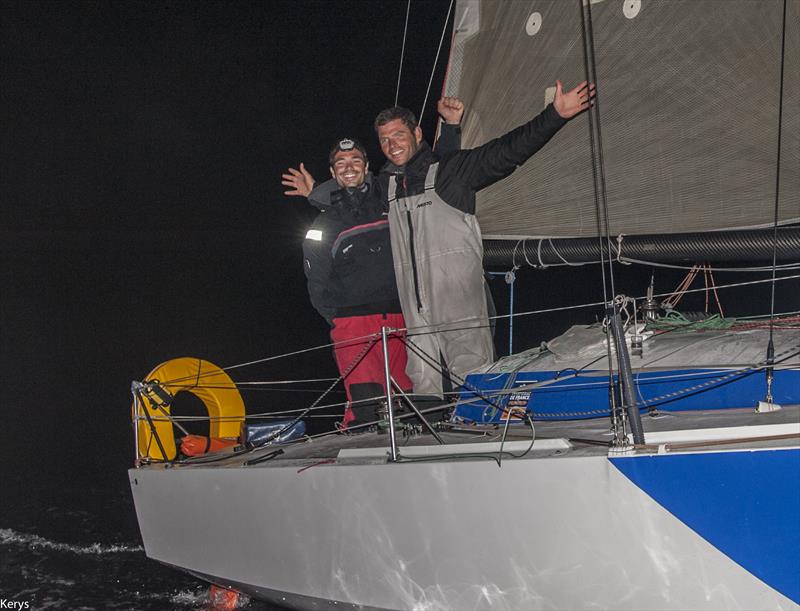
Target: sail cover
[{"x": 688, "y": 104}]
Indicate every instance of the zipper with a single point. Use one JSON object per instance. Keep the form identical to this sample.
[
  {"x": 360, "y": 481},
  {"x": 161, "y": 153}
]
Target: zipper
[
  {"x": 413, "y": 252},
  {"x": 413, "y": 259}
]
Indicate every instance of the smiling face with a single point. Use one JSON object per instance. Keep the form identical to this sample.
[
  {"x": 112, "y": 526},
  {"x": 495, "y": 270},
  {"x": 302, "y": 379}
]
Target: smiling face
[
  {"x": 398, "y": 142},
  {"x": 349, "y": 168}
]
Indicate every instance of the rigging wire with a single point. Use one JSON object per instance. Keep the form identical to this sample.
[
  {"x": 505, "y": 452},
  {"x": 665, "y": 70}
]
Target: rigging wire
[
  {"x": 436, "y": 61},
  {"x": 439, "y": 368},
  {"x": 766, "y": 268},
  {"x": 267, "y": 359},
  {"x": 770, "y": 344},
  {"x": 651, "y": 402},
  {"x": 358, "y": 358},
  {"x": 402, "y": 54},
  {"x": 598, "y": 179},
  {"x": 275, "y": 382},
  {"x": 688, "y": 325},
  {"x": 276, "y": 448},
  {"x": 596, "y": 148},
  {"x": 248, "y": 387},
  {"x": 714, "y": 378},
  {"x": 599, "y": 303},
  {"x": 431, "y": 329},
  {"x": 413, "y": 331},
  {"x": 717, "y": 381}
]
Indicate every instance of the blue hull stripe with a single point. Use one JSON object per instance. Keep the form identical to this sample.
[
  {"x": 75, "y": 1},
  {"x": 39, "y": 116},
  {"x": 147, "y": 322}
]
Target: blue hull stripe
[
  {"x": 746, "y": 504},
  {"x": 587, "y": 396}
]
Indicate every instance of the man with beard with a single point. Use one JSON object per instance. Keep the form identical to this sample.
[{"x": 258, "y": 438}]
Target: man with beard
[{"x": 436, "y": 241}]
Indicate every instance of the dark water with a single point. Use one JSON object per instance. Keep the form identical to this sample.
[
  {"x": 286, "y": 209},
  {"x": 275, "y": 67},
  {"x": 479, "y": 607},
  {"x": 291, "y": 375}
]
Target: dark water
[
  {"x": 79, "y": 323},
  {"x": 80, "y": 550}
]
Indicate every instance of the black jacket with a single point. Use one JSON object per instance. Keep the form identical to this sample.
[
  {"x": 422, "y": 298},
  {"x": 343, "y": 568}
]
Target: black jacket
[
  {"x": 348, "y": 256},
  {"x": 462, "y": 173}
]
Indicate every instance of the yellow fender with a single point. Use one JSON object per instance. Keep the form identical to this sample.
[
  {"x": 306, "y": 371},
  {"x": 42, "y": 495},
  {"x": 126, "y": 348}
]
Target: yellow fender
[{"x": 204, "y": 380}]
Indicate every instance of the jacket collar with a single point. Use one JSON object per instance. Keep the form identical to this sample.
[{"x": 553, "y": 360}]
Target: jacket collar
[
  {"x": 418, "y": 164},
  {"x": 328, "y": 193}
]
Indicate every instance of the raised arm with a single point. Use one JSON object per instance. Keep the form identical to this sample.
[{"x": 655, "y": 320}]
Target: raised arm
[
  {"x": 485, "y": 165},
  {"x": 450, "y": 110}
]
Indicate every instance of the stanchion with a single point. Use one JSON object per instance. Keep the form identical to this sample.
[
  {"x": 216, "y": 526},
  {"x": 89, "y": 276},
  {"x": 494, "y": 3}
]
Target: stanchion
[{"x": 389, "y": 406}]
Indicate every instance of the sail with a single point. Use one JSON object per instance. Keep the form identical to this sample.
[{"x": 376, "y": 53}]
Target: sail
[{"x": 688, "y": 103}]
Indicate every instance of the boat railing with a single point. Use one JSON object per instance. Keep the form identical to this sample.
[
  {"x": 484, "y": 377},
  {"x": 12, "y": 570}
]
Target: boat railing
[{"x": 146, "y": 393}]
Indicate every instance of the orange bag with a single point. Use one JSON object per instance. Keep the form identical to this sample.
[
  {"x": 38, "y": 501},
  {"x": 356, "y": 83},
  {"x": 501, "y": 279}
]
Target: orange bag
[{"x": 197, "y": 445}]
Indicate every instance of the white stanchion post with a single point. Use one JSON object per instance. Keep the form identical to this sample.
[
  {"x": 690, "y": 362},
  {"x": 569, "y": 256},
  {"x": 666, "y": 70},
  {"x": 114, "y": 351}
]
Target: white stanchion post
[{"x": 389, "y": 406}]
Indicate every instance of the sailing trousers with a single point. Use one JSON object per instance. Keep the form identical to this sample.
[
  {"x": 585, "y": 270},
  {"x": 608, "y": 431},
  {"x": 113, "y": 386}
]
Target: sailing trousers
[
  {"x": 438, "y": 261},
  {"x": 359, "y": 356}
]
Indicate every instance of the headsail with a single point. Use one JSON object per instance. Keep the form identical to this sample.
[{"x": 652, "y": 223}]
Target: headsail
[{"x": 689, "y": 95}]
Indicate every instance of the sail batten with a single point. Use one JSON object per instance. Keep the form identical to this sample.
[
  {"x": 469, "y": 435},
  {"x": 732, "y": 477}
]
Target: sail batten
[{"x": 689, "y": 102}]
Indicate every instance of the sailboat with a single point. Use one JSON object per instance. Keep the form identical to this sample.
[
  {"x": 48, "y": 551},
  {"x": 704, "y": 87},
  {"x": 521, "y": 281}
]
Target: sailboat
[{"x": 647, "y": 461}]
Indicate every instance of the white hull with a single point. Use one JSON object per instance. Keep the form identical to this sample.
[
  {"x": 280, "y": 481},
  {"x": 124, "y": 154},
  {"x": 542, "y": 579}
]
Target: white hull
[{"x": 559, "y": 529}]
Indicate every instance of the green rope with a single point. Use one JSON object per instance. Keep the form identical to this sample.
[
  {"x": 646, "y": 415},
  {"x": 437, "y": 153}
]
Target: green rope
[{"x": 675, "y": 321}]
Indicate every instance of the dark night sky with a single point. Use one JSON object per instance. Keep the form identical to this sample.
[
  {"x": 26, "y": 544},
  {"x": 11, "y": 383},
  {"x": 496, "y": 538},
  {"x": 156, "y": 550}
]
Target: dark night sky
[
  {"x": 181, "y": 116},
  {"x": 142, "y": 213}
]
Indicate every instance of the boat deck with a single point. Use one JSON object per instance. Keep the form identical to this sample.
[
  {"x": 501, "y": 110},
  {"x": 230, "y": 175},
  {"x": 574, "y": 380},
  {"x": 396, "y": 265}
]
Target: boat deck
[{"x": 667, "y": 432}]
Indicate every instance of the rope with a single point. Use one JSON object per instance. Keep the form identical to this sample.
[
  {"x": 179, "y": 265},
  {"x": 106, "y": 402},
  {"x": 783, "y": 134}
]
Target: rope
[
  {"x": 402, "y": 54},
  {"x": 435, "y": 61},
  {"x": 674, "y": 319}
]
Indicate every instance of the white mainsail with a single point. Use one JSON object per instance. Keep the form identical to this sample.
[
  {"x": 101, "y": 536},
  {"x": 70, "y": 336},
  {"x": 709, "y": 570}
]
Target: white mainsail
[{"x": 688, "y": 94}]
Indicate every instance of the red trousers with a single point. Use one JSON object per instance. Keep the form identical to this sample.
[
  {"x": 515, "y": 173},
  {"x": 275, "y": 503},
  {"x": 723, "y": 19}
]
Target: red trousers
[{"x": 360, "y": 358}]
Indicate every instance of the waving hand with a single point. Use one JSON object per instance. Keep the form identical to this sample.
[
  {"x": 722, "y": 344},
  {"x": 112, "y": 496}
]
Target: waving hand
[
  {"x": 300, "y": 181},
  {"x": 570, "y": 103}
]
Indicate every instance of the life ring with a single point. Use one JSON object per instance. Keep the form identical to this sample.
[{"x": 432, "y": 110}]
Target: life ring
[{"x": 204, "y": 380}]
